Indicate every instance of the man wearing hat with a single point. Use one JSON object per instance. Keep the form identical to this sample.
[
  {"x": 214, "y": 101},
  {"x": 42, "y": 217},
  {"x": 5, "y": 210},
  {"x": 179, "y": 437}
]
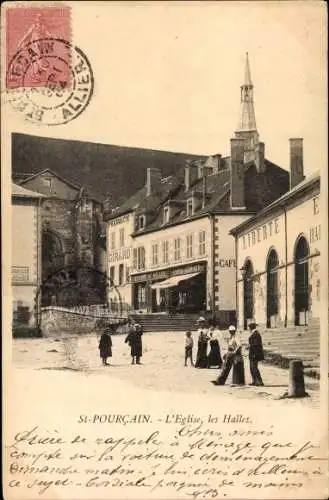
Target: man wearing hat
[{"x": 256, "y": 353}]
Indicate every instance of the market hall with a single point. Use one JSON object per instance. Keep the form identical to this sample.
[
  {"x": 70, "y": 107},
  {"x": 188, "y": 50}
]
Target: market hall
[{"x": 278, "y": 255}]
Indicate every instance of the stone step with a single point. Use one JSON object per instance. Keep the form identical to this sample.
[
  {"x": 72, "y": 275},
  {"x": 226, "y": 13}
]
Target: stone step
[{"x": 315, "y": 345}]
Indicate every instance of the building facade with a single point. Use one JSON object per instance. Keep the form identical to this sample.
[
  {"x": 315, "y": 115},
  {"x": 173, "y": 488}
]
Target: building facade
[
  {"x": 26, "y": 259},
  {"x": 278, "y": 255},
  {"x": 119, "y": 258},
  {"x": 182, "y": 256}
]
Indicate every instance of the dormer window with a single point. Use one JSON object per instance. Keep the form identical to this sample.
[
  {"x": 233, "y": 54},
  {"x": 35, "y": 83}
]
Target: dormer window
[
  {"x": 141, "y": 222},
  {"x": 166, "y": 215},
  {"x": 189, "y": 207}
]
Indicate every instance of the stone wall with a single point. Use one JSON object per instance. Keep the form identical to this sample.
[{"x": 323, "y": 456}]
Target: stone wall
[{"x": 57, "y": 321}]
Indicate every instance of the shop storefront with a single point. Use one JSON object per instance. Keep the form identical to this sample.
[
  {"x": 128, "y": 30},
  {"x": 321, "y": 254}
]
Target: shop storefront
[{"x": 174, "y": 290}]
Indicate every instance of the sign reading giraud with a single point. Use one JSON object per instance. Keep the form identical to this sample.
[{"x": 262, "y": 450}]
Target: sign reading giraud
[{"x": 119, "y": 255}]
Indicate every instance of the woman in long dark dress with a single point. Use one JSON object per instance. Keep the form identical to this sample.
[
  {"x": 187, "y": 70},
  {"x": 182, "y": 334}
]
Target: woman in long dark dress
[
  {"x": 201, "y": 356},
  {"x": 214, "y": 356},
  {"x": 105, "y": 345},
  {"x": 134, "y": 339}
]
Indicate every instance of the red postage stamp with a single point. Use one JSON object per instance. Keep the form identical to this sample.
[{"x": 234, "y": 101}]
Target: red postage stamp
[
  {"x": 49, "y": 80},
  {"x": 30, "y": 31}
]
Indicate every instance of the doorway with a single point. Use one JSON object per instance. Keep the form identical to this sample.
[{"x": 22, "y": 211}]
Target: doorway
[
  {"x": 248, "y": 292},
  {"x": 272, "y": 288},
  {"x": 302, "y": 252}
]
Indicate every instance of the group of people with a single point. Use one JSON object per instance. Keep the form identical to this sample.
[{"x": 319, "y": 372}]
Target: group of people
[
  {"x": 203, "y": 358},
  {"x": 232, "y": 358},
  {"x": 133, "y": 339}
]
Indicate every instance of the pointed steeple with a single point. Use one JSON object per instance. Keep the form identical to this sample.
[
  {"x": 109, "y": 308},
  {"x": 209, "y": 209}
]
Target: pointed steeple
[
  {"x": 247, "y": 121},
  {"x": 247, "y": 77},
  {"x": 247, "y": 129}
]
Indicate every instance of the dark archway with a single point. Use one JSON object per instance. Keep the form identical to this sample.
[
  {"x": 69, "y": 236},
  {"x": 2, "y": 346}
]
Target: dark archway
[
  {"x": 302, "y": 252},
  {"x": 272, "y": 286},
  {"x": 248, "y": 292}
]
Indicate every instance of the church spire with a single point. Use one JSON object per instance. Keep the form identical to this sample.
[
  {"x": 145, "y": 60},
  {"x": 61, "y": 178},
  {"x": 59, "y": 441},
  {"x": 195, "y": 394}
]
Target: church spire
[
  {"x": 247, "y": 122},
  {"x": 247, "y": 77}
]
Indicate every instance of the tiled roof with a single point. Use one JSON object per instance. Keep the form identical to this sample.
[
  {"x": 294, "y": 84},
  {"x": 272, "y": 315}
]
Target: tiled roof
[
  {"x": 285, "y": 198},
  {"x": 260, "y": 190},
  {"x": 19, "y": 191}
]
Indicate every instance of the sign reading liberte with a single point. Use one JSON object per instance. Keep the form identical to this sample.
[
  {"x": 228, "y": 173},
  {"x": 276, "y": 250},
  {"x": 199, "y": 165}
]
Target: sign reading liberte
[{"x": 261, "y": 233}]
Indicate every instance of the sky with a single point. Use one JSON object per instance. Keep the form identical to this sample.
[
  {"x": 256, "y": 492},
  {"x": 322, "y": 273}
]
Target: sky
[{"x": 168, "y": 76}]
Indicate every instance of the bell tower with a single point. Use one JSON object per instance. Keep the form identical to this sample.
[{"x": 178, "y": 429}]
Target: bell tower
[{"x": 247, "y": 128}]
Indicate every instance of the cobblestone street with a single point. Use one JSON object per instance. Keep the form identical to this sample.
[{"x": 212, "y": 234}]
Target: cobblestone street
[{"x": 162, "y": 367}]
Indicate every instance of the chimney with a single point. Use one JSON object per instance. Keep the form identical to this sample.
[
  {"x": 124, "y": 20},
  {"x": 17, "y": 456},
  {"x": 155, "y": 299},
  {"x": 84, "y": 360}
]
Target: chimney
[
  {"x": 204, "y": 190},
  {"x": 296, "y": 162},
  {"x": 237, "y": 174},
  {"x": 153, "y": 179},
  {"x": 260, "y": 157},
  {"x": 191, "y": 174},
  {"x": 217, "y": 163}
]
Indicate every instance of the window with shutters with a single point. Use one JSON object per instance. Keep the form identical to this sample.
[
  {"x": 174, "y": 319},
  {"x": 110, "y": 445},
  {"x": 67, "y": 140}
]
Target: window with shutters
[
  {"x": 165, "y": 252},
  {"x": 189, "y": 245},
  {"x": 177, "y": 249},
  {"x": 202, "y": 242},
  {"x": 122, "y": 237},
  {"x": 154, "y": 254},
  {"x": 140, "y": 258},
  {"x": 112, "y": 274},
  {"x": 135, "y": 258}
]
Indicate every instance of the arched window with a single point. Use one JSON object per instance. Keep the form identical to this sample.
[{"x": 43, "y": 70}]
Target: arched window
[
  {"x": 248, "y": 292},
  {"x": 302, "y": 252},
  {"x": 272, "y": 285}
]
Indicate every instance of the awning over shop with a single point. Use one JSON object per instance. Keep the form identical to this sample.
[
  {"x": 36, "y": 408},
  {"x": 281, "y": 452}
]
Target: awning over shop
[{"x": 174, "y": 280}]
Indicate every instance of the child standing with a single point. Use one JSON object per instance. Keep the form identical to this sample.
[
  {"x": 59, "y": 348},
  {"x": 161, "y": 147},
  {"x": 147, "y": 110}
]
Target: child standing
[
  {"x": 188, "y": 348},
  {"x": 105, "y": 345}
]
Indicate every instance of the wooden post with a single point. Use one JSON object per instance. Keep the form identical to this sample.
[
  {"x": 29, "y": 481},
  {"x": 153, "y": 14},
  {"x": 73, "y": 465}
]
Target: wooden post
[{"x": 296, "y": 380}]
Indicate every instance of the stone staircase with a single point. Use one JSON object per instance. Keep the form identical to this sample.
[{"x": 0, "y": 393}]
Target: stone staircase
[
  {"x": 282, "y": 345},
  {"x": 165, "y": 322}
]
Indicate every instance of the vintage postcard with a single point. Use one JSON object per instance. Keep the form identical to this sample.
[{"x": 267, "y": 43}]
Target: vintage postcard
[{"x": 165, "y": 258}]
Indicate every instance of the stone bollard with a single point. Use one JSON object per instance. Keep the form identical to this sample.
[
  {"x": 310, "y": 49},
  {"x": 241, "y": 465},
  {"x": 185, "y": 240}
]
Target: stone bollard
[{"x": 296, "y": 387}]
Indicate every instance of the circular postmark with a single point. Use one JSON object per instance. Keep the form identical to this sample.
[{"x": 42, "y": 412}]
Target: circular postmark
[{"x": 49, "y": 81}]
